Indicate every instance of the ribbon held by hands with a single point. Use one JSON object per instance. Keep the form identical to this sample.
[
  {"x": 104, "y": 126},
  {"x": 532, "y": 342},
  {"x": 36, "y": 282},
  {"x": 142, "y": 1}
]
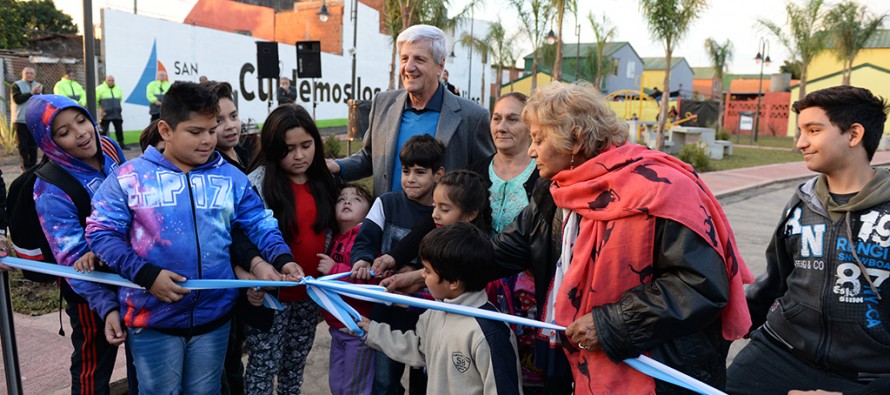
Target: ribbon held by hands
[{"x": 326, "y": 292}]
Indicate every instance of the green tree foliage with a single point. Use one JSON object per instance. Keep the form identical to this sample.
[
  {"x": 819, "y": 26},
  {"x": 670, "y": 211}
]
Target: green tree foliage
[
  {"x": 560, "y": 6},
  {"x": 792, "y": 67},
  {"x": 850, "y": 25},
  {"x": 401, "y": 14},
  {"x": 534, "y": 15},
  {"x": 11, "y": 27},
  {"x": 503, "y": 51},
  {"x": 42, "y": 15},
  {"x": 805, "y": 37},
  {"x": 483, "y": 46},
  {"x": 604, "y": 32},
  {"x": 668, "y": 21},
  {"x": 720, "y": 56},
  {"x": 20, "y": 20}
]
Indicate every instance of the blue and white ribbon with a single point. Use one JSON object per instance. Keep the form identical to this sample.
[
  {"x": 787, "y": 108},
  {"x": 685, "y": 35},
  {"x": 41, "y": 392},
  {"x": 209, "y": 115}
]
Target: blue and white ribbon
[
  {"x": 325, "y": 290},
  {"x": 118, "y": 281}
]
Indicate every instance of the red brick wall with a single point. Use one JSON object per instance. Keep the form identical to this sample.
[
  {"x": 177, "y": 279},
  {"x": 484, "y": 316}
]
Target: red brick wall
[
  {"x": 303, "y": 25},
  {"x": 232, "y": 16},
  {"x": 774, "y": 111}
]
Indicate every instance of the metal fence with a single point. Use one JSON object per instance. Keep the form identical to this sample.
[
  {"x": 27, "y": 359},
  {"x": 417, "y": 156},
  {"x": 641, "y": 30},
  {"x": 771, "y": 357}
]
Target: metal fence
[{"x": 49, "y": 71}]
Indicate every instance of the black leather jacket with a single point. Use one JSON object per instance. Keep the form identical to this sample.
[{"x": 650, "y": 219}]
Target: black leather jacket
[{"x": 675, "y": 317}]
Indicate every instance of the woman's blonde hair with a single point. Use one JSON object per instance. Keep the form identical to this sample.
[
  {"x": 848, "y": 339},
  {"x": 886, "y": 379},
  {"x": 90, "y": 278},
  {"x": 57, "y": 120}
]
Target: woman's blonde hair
[{"x": 571, "y": 113}]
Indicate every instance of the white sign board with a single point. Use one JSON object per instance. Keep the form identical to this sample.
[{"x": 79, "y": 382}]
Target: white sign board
[
  {"x": 746, "y": 121},
  {"x": 136, "y": 46}
]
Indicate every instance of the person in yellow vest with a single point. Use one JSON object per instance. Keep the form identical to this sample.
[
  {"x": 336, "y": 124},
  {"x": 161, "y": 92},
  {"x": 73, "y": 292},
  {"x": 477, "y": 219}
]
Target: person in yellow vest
[
  {"x": 108, "y": 100},
  {"x": 70, "y": 88},
  {"x": 154, "y": 92}
]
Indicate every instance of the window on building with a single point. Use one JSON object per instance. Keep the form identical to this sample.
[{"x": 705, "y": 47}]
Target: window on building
[
  {"x": 614, "y": 66},
  {"x": 631, "y": 69}
]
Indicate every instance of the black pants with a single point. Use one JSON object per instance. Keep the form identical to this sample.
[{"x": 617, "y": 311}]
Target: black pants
[
  {"x": 155, "y": 116},
  {"x": 118, "y": 129},
  {"x": 92, "y": 361},
  {"x": 764, "y": 367},
  {"x": 233, "y": 368},
  {"x": 27, "y": 146}
]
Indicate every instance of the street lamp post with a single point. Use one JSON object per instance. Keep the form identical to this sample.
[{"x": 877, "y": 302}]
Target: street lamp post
[
  {"x": 323, "y": 13},
  {"x": 763, "y": 59},
  {"x": 550, "y": 39},
  {"x": 470, "y": 56},
  {"x": 354, "y": 15}
]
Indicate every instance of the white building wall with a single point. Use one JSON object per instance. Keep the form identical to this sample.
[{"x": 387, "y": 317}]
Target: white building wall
[{"x": 188, "y": 52}]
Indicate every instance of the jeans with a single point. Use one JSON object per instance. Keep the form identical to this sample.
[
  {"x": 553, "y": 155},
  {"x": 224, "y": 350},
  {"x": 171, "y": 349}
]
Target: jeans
[{"x": 169, "y": 364}]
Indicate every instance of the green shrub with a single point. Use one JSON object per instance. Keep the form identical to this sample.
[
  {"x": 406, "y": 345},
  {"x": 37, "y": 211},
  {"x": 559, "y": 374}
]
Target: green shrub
[
  {"x": 697, "y": 156},
  {"x": 332, "y": 146},
  {"x": 722, "y": 134}
]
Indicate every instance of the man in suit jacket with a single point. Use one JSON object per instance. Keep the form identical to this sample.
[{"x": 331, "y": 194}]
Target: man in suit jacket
[{"x": 423, "y": 107}]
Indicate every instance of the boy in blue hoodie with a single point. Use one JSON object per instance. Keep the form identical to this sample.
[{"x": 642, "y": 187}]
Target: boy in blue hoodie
[
  {"x": 166, "y": 217},
  {"x": 67, "y": 135}
]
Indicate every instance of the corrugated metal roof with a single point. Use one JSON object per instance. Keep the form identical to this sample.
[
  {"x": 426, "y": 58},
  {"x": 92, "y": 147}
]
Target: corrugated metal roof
[
  {"x": 569, "y": 50},
  {"x": 658, "y": 63},
  {"x": 701, "y": 73},
  {"x": 881, "y": 39}
]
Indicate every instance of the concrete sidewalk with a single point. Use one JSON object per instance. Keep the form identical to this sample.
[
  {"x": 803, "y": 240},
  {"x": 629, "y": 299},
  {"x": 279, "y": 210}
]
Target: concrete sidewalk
[
  {"x": 44, "y": 356},
  {"x": 732, "y": 182}
]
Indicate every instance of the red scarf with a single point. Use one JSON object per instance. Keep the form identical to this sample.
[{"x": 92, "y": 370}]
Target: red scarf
[{"x": 617, "y": 194}]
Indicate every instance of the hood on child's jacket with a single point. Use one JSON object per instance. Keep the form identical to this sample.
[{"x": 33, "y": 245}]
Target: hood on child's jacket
[
  {"x": 41, "y": 110},
  {"x": 872, "y": 194}
]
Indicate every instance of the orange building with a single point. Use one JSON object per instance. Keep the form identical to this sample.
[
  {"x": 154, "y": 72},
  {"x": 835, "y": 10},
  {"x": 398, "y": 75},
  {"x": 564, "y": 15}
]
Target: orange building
[{"x": 285, "y": 26}]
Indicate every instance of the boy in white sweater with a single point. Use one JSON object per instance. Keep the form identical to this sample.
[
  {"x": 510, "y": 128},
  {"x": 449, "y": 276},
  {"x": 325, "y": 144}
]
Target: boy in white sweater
[{"x": 463, "y": 355}]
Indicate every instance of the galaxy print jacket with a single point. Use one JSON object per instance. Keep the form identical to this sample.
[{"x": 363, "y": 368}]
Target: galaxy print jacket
[
  {"x": 55, "y": 209},
  {"x": 151, "y": 216}
]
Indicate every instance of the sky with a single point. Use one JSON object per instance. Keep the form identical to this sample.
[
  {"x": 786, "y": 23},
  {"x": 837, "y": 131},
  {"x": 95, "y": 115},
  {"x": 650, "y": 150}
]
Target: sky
[{"x": 724, "y": 19}]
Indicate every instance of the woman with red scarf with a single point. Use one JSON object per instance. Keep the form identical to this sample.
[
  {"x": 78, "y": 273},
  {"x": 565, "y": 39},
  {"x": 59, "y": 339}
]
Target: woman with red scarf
[{"x": 638, "y": 255}]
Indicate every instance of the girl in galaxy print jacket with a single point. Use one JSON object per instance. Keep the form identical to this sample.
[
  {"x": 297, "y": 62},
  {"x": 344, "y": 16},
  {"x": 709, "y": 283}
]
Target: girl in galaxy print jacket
[
  {"x": 55, "y": 209},
  {"x": 68, "y": 136}
]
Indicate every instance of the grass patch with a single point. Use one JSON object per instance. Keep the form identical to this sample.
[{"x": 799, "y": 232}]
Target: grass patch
[
  {"x": 32, "y": 298},
  {"x": 750, "y": 157},
  {"x": 327, "y": 123},
  {"x": 766, "y": 141}
]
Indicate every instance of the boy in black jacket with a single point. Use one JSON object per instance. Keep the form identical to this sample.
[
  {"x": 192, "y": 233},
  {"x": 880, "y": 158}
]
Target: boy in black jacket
[{"x": 819, "y": 310}]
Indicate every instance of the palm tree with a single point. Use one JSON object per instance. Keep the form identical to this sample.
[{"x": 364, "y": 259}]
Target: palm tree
[
  {"x": 604, "y": 31},
  {"x": 501, "y": 51},
  {"x": 560, "y": 6},
  {"x": 805, "y": 38},
  {"x": 850, "y": 28},
  {"x": 669, "y": 20},
  {"x": 720, "y": 56},
  {"x": 483, "y": 46},
  {"x": 534, "y": 20},
  {"x": 400, "y": 14}
]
